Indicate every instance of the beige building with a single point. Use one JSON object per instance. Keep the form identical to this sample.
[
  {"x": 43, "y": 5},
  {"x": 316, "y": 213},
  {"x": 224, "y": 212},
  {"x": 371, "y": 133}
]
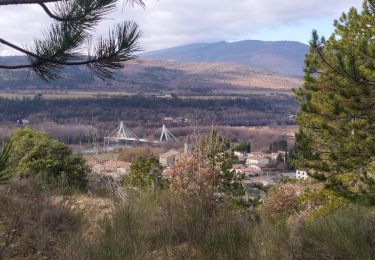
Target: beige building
[{"x": 169, "y": 158}]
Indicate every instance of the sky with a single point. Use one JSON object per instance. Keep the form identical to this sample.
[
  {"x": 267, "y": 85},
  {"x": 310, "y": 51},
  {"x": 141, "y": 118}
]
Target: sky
[{"x": 169, "y": 23}]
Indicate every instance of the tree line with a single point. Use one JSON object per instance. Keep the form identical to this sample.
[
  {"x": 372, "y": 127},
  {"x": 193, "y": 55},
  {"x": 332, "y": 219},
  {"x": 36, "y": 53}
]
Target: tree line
[{"x": 255, "y": 110}]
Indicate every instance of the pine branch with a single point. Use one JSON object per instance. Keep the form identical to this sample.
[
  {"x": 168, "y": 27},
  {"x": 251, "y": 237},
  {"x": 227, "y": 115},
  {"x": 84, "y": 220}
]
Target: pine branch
[
  {"x": 4, "y": 158},
  {"x": 317, "y": 46},
  {"x": 62, "y": 44},
  {"x": 83, "y": 13},
  {"x": 26, "y": 2},
  {"x": 108, "y": 55},
  {"x": 53, "y": 16}
]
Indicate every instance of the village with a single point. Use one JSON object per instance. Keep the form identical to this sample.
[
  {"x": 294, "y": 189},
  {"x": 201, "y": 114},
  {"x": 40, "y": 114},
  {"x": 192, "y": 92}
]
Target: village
[{"x": 259, "y": 170}]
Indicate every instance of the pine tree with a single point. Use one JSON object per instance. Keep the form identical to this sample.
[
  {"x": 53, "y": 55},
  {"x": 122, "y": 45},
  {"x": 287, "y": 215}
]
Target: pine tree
[
  {"x": 249, "y": 147},
  {"x": 146, "y": 173},
  {"x": 70, "y": 33},
  {"x": 337, "y": 118},
  {"x": 4, "y": 159}
]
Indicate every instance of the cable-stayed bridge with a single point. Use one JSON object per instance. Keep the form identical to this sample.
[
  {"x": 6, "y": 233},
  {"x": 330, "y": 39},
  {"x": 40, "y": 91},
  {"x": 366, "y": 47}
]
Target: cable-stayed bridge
[{"x": 123, "y": 133}]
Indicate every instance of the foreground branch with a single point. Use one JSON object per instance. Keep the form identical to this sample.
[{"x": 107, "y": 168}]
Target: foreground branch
[
  {"x": 45, "y": 59},
  {"x": 26, "y": 2}
]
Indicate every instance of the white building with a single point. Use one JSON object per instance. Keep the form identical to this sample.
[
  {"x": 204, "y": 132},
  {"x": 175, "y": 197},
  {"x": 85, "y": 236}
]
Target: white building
[
  {"x": 240, "y": 155},
  {"x": 253, "y": 160},
  {"x": 301, "y": 175},
  {"x": 258, "y": 154},
  {"x": 276, "y": 155}
]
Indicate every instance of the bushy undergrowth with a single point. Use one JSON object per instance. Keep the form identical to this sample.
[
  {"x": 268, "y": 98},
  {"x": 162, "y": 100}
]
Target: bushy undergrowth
[
  {"x": 31, "y": 226},
  {"x": 344, "y": 234},
  {"x": 167, "y": 227},
  {"x": 164, "y": 226},
  {"x": 36, "y": 155}
]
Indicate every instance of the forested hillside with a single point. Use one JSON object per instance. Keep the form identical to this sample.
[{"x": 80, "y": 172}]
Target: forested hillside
[
  {"x": 153, "y": 76},
  {"x": 150, "y": 111}
]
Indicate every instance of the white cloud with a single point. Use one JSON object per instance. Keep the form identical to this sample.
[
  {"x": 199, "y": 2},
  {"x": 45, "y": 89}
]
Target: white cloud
[{"x": 167, "y": 23}]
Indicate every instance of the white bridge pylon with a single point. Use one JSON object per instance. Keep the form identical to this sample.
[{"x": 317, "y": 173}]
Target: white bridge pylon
[
  {"x": 163, "y": 134},
  {"x": 122, "y": 133}
]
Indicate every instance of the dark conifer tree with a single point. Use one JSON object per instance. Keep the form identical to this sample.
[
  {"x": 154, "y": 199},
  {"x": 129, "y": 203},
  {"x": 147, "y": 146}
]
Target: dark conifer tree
[{"x": 337, "y": 118}]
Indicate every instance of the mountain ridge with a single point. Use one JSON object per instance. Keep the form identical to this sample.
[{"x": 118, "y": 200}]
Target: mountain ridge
[
  {"x": 283, "y": 57},
  {"x": 192, "y": 67}
]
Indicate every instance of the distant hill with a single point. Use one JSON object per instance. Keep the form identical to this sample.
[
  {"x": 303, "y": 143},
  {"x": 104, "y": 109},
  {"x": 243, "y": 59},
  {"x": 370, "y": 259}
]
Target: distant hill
[
  {"x": 154, "y": 76},
  {"x": 284, "y": 57}
]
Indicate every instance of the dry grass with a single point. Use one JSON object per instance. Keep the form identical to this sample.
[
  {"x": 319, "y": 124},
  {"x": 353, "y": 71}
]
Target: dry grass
[
  {"x": 165, "y": 226},
  {"x": 233, "y": 75},
  {"x": 32, "y": 227},
  {"x": 36, "y": 223}
]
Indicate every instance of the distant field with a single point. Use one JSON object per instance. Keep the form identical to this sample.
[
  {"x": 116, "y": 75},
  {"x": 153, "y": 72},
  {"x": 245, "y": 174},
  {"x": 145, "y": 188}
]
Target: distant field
[
  {"x": 62, "y": 95},
  {"x": 76, "y": 94}
]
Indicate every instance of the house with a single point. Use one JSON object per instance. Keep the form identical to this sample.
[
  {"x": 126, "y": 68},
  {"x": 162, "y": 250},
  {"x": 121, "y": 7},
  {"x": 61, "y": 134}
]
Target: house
[
  {"x": 23, "y": 122},
  {"x": 181, "y": 120},
  {"x": 240, "y": 155},
  {"x": 258, "y": 167},
  {"x": 169, "y": 158},
  {"x": 258, "y": 154},
  {"x": 168, "y": 119},
  {"x": 253, "y": 160},
  {"x": 247, "y": 172},
  {"x": 274, "y": 156},
  {"x": 301, "y": 175},
  {"x": 165, "y": 96}
]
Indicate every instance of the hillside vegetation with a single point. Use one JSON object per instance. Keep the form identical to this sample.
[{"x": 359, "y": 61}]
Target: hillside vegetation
[
  {"x": 157, "y": 76},
  {"x": 150, "y": 111}
]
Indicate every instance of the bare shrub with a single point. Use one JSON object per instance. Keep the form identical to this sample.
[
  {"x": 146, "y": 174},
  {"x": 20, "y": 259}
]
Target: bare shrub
[
  {"x": 281, "y": 201},
  {"x": 192, "y": 177}
]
